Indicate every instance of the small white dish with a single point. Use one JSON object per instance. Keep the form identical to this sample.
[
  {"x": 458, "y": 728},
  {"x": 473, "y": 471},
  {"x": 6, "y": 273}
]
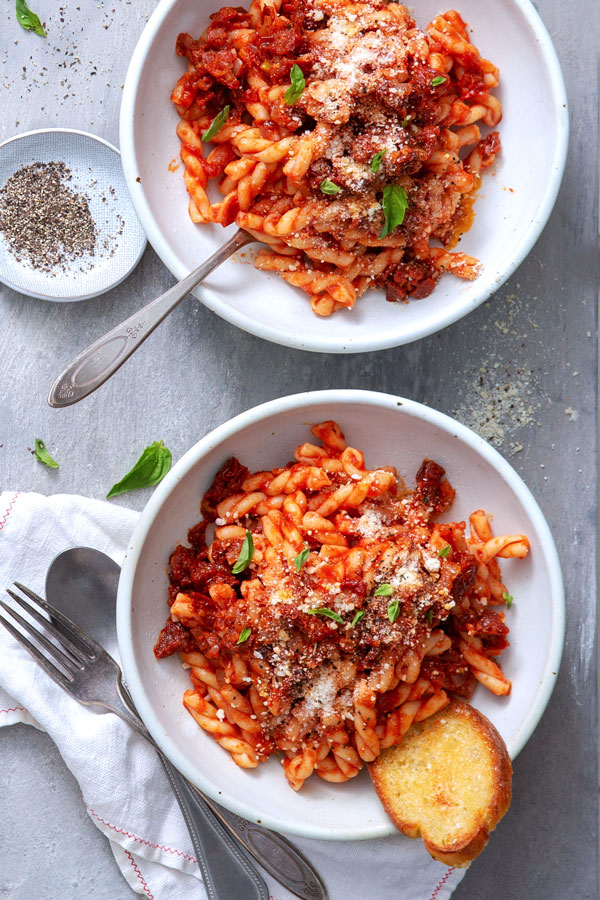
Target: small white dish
[
  {"x": 95, "y": 166},
  {"x": 390, "y": 431},
  {"x": 514, "y": 202}
]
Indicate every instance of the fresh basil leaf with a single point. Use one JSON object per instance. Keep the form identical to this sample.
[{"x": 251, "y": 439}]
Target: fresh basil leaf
[
  {"x": 405, "y": 122},
  {"x": 28, "y": 19},
  {"x": 216, "y": 124},
  {"x": 508, "y": 599},
  {"x": 301, "y": 558},
  {"x": 294, "y": 92},
  {"x": 244, "y": 635},
  {"x": 376, "y": 161},
  {"x": 329, "y": 187},
  {"x": 439, "y": 79},
  {"x": 445, "y": 551},
  {"x": 395, "y": 204},
  {"x": 429, "y": 616},
  {"x": 384, "y": 590},
  {"x": 324, "y": 611},
  {"x": 43, "y": 456},
  {"x": 359, "y": 616},
  {"x": 245, "y": 556},
  {"x": 151, "y": 467},
  {"x": 393, "y": 610}
]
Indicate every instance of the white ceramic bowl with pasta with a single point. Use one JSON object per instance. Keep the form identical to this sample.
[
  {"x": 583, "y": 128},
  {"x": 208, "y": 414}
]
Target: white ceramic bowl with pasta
[
  {"x": 390, "y": 431},
  {"x": 511, "y": 210}
]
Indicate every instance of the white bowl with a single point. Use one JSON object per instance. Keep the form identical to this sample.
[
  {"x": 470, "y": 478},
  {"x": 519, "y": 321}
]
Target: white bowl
[
  {"x": 391, "y": 431},
  {"x": 96, "y": 173},
  {"x": 515, "y": 200}
]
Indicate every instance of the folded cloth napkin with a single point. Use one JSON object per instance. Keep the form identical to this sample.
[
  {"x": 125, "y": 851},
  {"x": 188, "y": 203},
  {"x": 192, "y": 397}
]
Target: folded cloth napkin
[{"x": 124, "y": 787}]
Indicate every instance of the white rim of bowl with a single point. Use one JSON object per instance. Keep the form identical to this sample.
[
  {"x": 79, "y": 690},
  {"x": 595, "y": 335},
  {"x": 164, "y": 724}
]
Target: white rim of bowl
[
  {"x": 329, "y": 345},
  {"x": 258, "y": 414},
  {"x": 113, "y": 284}
]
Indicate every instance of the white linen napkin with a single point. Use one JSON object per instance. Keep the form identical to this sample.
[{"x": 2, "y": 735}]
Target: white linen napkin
[{"x": 124, "y": 787}]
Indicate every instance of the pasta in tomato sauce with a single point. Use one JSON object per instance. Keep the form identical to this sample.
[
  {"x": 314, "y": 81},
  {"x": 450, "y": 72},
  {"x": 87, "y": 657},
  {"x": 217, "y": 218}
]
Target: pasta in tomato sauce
[
  {"x": 321, "y": 608},
  {"x": 344, "y": 137}
]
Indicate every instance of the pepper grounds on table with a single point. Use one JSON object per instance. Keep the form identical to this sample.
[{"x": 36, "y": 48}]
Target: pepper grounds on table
[{"x": 45, "y": 223}]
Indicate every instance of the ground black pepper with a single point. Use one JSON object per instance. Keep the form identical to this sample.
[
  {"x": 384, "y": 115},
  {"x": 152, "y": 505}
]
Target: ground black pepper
[{"x": 46, "y": 224}]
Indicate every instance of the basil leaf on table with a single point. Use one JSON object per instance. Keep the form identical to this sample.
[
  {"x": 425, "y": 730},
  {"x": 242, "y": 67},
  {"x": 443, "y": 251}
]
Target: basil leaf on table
[
  {"x": 395, "y": 204},
  {"x": 150, "y": 469},
  {"x": 294, "y": 92},
  {"x": 43, "y": 456},
  {"x": 216, "y": 124},
  {"x": 28, "y": 19}
]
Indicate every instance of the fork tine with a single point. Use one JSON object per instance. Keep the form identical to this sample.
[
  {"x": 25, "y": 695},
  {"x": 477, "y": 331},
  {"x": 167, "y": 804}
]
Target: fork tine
[
  {"x": 87, "y": 642},
  {"x": 55, "y": 653},
  {"x": 51, "y": 670},
  {"x": 66, "y": 644}
]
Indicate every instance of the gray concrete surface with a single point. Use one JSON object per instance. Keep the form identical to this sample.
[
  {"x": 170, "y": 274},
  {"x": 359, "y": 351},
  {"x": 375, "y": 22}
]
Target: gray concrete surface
[{"x": 526, "y": 361}]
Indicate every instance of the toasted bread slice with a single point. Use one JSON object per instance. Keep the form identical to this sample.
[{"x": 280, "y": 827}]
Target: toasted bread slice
[{"x": 449, "y": 781}]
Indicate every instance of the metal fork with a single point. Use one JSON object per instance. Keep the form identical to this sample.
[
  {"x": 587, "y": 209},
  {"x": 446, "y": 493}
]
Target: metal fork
[{"x": 82, "y": 667}]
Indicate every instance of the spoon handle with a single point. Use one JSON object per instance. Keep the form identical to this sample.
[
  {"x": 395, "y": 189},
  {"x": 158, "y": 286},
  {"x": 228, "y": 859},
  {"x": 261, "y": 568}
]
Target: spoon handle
[
  {"x": 226, "y": 871},
  {"x": 275, "y": 854},
  {"x": 94, "y": 366},
  {"x": 207, "y": 822}
]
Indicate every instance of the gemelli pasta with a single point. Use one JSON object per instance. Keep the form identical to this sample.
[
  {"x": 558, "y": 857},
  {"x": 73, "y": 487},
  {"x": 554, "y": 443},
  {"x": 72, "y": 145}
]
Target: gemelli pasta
[
  {"x": 321, "y": 608},
  {"x": 344, "y": 137}
]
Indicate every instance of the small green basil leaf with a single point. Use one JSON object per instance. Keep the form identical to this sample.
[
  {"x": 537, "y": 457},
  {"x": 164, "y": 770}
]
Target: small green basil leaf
[
  {"x": 294, "y": 92},
  {"x": 358, "y": 618},
  {"x": 150, "y": 469},
  {"x": 384, "y": 590},
  {"x": 301, "y": 558},
  {"x": 216, "y": 124},
  {"x": 29, "y": 20},
  {"x": 324, "y": 611},
  {"x": 439, "y": 79},
  {"x": 376, "y": 161},
  {"x": 393, "y": 610},
  {"x": 508, "y": 599},
  {"x": 429, "y": 616},
  {"x": 405, "y": 122},
  {"x": 329, "y": 187},
  {"x": 445, "y": 551},
  {"x": 244, "y": 635},
  {"x": 43, "y": 456},
  {"x": 245, "y": 556},
  {"x": 395, "y": 204}
]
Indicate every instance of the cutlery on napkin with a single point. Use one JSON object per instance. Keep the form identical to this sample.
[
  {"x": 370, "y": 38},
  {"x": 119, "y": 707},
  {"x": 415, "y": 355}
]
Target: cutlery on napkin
[{"x": 137, "y": 811}]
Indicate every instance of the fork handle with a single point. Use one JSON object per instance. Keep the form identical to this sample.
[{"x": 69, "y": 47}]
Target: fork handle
[
  {"x": 226, "y": 872},
  {"x": 225, "y": 868}
]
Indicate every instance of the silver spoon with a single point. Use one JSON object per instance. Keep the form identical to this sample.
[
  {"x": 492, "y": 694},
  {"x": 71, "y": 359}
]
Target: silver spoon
[
  {"x": 94, "y": 366},
  {"x": 82, "y": 583}
]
